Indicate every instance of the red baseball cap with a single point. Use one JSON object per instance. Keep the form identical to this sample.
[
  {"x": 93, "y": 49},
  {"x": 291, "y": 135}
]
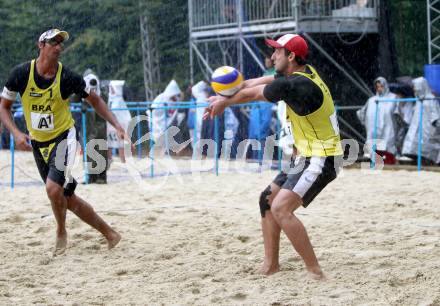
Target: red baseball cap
[{"x": 292, "y": 42}]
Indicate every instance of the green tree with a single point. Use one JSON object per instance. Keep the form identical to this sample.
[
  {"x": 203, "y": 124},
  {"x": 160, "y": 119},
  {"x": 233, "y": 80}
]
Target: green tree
[{"x": 410, "y": 35}]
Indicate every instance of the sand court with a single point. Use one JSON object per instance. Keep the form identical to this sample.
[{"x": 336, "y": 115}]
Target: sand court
[{"x": 197, "y": 241}]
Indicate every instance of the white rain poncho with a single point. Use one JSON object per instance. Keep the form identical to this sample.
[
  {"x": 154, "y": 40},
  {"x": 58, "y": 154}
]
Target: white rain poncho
[
  {"x": 200, "y": 93},
  {"x": 430, "y": 133},
  {"x": 385, "y": 132},
  {"x": 92, "y": 86},
  {"x": 162, "y": 118},
  {"x": 116, "y": 101}
]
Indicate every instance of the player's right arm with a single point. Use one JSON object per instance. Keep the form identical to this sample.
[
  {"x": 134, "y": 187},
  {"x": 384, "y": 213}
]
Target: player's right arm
[
  {"x": 16, "y": 83},
  {"x": 21, "y": 139}
]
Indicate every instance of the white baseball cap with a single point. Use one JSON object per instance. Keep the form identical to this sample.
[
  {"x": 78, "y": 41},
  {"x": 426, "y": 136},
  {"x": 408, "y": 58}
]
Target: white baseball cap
[{"x": 49, "y": 34}]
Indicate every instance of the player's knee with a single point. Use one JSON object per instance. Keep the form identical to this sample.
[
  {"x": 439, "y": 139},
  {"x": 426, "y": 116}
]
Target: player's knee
[
  {"x": 53, "y": 192},
  {"x": 72, "y": 205},
  {"x": 264, "y": 201},
  {"x": 279, "y": 209}
]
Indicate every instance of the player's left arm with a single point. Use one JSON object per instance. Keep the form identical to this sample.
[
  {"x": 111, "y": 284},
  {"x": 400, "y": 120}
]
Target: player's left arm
[
  {"x": 264, "y": 80},
  {"x": 74, "y": 83},
  {"x": 101, "y": 108}
]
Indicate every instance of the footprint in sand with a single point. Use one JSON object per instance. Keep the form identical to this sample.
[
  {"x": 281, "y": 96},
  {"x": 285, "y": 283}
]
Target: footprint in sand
[
  {"x": 94, "y": 246},
  {"x": 239, "y": 296},
  {"x": 14, "y": 219},
  {"x": 42, "y": 229},
  {"x": 34, "y": 243},
  {"x": 243, "y": 238},
  {"x": 116, "y": 214},
  {"x": 165, "y": 256},
  {"x": 45, "y": 261},
  {"x": 121, "y": 272},
  {"x": 85, "y": 237}
]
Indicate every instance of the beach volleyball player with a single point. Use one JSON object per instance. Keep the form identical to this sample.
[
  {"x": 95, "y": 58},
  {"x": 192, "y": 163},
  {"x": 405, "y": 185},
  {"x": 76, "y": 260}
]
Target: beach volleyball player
[
  {"x": 45, "y": 85},
  {"x": 311, "y": 114}
]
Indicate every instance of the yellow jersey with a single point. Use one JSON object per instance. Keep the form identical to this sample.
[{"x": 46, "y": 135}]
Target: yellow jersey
[
  {"x": 316, "y": 134},
  {"x": 47, "y": 114}
]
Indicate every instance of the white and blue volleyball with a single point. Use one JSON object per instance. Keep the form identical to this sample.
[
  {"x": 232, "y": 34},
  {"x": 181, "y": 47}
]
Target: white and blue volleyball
[{"x": 226, "y": 81}]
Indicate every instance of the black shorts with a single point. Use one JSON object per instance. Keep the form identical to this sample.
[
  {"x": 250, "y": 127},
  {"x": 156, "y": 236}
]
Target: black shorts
[
  {"x": 55, "y": 157},
  {"x": 308, "y": 176}
]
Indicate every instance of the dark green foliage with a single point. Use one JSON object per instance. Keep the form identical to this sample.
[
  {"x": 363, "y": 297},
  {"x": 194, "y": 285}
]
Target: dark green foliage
[
  {"x": 105, "y": 36},
  {"x": 410, "y": 35}
]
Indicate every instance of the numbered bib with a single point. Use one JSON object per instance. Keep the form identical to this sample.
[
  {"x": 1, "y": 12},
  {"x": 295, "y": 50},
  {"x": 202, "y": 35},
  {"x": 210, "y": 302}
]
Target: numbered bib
[{"x": 42, "y": 122}]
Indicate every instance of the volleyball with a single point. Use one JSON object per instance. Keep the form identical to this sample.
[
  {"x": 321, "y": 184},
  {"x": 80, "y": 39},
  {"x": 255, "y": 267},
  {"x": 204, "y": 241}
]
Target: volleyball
[{"x": 226, "y": 81}]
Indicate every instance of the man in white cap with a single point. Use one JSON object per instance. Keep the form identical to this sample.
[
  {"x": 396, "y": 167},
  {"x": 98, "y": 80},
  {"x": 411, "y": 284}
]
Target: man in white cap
[
  {"x": 311, "y": 114},
  {"x": 45, "y": 85}
]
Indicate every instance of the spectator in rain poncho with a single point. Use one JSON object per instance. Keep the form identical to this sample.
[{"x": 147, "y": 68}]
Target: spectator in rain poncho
[
  {"x": 116, "y": 101},
  {"x": 385, "y": 130},
  {"x": 163, "y": 118},
  {"x": 430, "y": 125},
  {"x": 200, "y": 92},
  {"x": 402, "y": 114}
]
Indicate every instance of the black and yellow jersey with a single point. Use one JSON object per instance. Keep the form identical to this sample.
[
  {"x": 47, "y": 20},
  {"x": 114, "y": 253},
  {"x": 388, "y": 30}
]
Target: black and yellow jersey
[
  {"x": 45, "y": 101},
  {"x": 310, "y": 111}
]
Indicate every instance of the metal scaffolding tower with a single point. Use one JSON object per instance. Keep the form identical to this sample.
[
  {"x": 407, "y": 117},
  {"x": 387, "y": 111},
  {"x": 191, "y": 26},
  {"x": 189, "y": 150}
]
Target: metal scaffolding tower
[
  {"x": 150, "y": 59},
  {"x": 433, "y": 10},
  {"x": 222, "y": 31}
]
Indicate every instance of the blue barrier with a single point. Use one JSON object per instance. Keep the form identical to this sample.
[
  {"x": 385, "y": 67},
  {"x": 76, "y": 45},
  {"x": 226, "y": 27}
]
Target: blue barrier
[
  {"x": 12, "y": 148},
  {"x": 138, "y": 129},
  {"x": 84, "y": 133},
  {"x": 138, "y": 107},
  {"x": 151, "y": 153},
  {"x": 216, "y": 140}
]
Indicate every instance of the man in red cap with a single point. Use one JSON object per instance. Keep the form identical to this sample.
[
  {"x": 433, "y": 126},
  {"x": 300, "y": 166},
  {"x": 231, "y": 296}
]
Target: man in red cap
[
  {"x": 313, "y": 123},
  {"x": 45, "y": 85}
]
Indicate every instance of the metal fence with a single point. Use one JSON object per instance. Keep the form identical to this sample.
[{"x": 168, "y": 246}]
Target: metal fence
[
  {"x": 231, "y": 13},
  {"x": 215, "y": 13},
  {"x": 317, "y": 9}
]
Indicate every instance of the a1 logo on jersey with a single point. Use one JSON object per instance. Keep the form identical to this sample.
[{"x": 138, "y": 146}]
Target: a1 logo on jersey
[{"x": 42, "y": 122}]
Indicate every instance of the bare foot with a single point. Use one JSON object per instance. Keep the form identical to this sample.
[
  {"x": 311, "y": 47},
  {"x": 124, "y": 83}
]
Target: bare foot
[
  {"x": 269, "y": 269},
  {"x": 60, "y": 244},
  {"x": 113, "y": 239},
  {"x": 316, "y": 273}
]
